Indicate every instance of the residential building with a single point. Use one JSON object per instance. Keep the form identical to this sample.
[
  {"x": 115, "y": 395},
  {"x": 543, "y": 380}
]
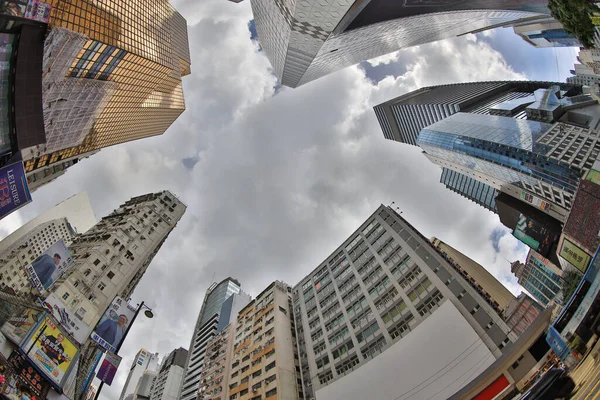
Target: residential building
[
  {"x": 77, "y": 209},
  {"x": 387, "y": 294},
  {"x": 111, "y": 73},
  {"x": 265, "y": 364},
  {"x": 307, "y": 40},
  {"x": 521, "y": 313},
  {"x": 14, "y": 260},
  {"x": 168, "y": 381},
  {"x": 221, "y": 304},
  {"x": 143, "y": 389},
  {"x": 90, "y": 394},
  {"x": 143, "y": 361},
  {"x": 114, "y": 254},
  {"x": 541, "y": 281},
  {"x": 545, "y": 33},
  {"x": 477, "y": 275},
  {"x": 217, "y": 362}
]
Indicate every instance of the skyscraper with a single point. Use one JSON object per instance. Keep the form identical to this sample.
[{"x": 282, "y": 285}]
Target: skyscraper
[
  {"x": 112, "y": 256},
  {"x": 388, "y": 294},
  {"x": 221, "y": 304},
  {"x": 111, "y": 73},
  {"x": 545, "y": 33},
  {"x": 477, "y": 275},
  {"x": 305, "y": 40},
  {"x": 538, "y": 278},
  {"x": 168, "y": 381},
  {"x": 143, "y": 361}
]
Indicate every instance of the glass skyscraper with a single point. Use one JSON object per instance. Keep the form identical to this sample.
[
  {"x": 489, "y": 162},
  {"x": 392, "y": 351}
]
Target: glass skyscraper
[
  {"x": 472, "y": 189},
  {"x": 542, "y": 282},
  {"x": 305, "y": 40}
]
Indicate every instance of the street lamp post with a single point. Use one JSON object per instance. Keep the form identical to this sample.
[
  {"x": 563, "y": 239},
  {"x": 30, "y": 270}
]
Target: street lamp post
[{"x": 149, "y": 314}]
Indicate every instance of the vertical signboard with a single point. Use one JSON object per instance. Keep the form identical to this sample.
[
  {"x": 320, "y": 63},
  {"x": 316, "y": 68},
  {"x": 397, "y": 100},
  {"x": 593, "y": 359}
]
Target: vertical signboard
[
  {"x": 38, "y": 11},
  {"x": 573, "y": 254},
  {"x": 45, "y": 269},
  {"x": 111, "y": 329},
  {"x": 109, "y": 367},
  {"x": 14, "y": 192}
]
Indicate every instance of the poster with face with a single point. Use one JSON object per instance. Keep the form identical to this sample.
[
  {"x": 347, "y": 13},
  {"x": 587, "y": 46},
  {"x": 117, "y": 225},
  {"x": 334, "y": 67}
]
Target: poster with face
[
  {"x": 111, "y": 329},
  {"x": 45, "y": 269}
]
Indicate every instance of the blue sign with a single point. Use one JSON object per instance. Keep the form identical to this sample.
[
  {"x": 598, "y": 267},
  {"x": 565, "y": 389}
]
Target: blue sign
[
  {"x": 14, "y": 192},
  {"x": 557, "y": 343}
]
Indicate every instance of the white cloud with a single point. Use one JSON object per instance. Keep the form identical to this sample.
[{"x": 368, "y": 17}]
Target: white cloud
[
  {"x": 281, "y": 180},
  {"x": 384, "y": 59}
]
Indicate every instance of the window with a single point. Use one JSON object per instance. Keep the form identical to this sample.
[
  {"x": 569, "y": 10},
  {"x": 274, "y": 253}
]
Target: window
[
  {"x": 65, "y": 296},
  {"x": 101, "y": 286},
  {"x": 96, "y": 262},
  {"x": 270, "y": 366},
  {"x": 110, "y": 275},
  {"x": 87, "y": 272},
  {"x": 271, "y": 392}
]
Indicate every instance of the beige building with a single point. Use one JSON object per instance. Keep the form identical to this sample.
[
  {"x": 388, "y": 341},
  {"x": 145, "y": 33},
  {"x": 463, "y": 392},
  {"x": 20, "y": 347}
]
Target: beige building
[
  {"x": 264, "y": 363},
  {"x": 477, "y": 275}
]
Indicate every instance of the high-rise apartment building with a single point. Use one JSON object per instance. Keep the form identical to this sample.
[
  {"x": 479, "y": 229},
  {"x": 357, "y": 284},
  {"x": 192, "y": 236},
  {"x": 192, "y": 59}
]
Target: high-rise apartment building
[
  {"x": 112, "y": 256},
  {"x": 14, "y": 260},
  {"x": 143, "y": 390},
  {"x": 143, "y": 361},
  {"x": 545, "y": 33},
  {"x": 221, "y": 304},
  {"x": 475, "y": 273},
  {"x": 168, "y": 381},
  {"x": 310, "y": 39},
  {"x": 387, "y": 294},
  {"x": 77, "y": 209},
  {"x": 111, "y": 73},
  {"x": 217, "y": 364},
  {"x": 521, "y": 313},
  {"x": 539, "y": 278}
]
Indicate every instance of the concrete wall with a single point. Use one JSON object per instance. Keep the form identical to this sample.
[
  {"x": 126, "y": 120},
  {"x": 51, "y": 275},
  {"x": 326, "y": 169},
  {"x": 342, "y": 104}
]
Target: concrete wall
[{"x": 436, "y": 359}]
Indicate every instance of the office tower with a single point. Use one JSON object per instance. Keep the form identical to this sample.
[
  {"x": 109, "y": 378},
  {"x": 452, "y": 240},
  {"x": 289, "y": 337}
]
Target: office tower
[
  {"x": 538, "y": 278},
  {"x": 307, "y": 40},
  {"x": 111, "y": 73},
  {"x": 265, "y": 362},
  {"x": 168, "y": 381},
  {"x": 114, "y": 254},
  {"x": 545, "y": 33},
  {"x": 221, "y": 304},
  {"x": 478, "y": 192},
  {"x": 77, "y": 209},
  {"x": 215, "y": 374},
  {"x": 14, "y": 260},
  {"x": 477, "y": 275},
  {"x": 584, "y": 75},
  {"x": 143, "y": 361},
  {"x": 143, "y": 390},
  {"x": 521, "y": 312},
  {"x": 387, "y": 294}
]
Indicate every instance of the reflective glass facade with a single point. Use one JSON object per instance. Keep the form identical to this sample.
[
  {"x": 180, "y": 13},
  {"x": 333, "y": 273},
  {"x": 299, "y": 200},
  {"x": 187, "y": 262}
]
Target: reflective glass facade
[
  {"x": 539, "y": 280},
  {"x": 140, "y": 47},
  {"x": 472, "y": 189}
]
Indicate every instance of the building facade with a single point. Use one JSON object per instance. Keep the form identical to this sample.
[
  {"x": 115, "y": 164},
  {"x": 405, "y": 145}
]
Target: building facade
[
  {"x": 386, "y": 294},
  {"x": 521, "y": 313},
  {"x": 547, "y": 33},
  {"x": 112, "y": 257},
  {"x": 472, "y": 189},
  {"x": 14, "y": 260},
  {"x": 168, "y": 381},
  {"x": 111, "y": 73},
  {"x": 477, "y": 275},
  {"x": 217, "y": 362},
  {"x": 221, "y": 304},
  {"x": 264, "y": 363},
  {"x": 540, "y": 280},
  {"x": 143, "y": 361},
  {"x": 307, "y": 40}
]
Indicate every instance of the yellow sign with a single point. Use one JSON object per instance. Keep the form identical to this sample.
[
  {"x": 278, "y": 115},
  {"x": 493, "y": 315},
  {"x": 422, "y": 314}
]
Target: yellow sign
[
  {"x": 593, "y": 176},
  {"x": 573, "y": 254},
  {"x": 51, "y": 350}
]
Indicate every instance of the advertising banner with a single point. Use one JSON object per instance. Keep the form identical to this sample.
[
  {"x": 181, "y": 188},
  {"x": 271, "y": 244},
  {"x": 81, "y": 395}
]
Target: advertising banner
[
  {"x": 109, "y": 367},
  {"x": 14, "y": 192},
  {"x": 49, "y": 349},
  {"x": 17, "y": 327},
  {"x": 573, "y": 254},
  {"x": 111, "y": 329},
  {"x": 535, "y": 201},
  {"x": 45, "y": 269},
  {"x": 67, "y": 319},
  {"x": 26, "y": 376},
  {"x": 533, "y": 234},
  {"x": 593, "y": 176},
  {"x": 38, "y": 11},
  {"x": 14, "y": 8}
]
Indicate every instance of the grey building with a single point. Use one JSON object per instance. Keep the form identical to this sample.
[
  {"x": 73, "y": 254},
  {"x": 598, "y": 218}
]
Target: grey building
[
  {"x": 472, "y": 189},
  {"x": 387, "y": 294},
  {"x": 168, "y": 381},
  {"x": 221, "y": 304},
  {"x": 306, "y": 40}
]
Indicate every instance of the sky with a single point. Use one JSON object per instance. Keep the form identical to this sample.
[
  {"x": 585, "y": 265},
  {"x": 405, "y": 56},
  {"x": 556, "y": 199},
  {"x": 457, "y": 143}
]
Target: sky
[{"x": 275, "y": 179}]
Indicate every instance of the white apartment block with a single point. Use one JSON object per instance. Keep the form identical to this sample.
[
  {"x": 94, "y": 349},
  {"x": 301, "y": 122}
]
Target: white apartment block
[
  {"x": 14, "y": 259},
  {"x": 143, "y": 361},
  {"x": 168, "y": 381},
  {"x": 112, "y": 257}
]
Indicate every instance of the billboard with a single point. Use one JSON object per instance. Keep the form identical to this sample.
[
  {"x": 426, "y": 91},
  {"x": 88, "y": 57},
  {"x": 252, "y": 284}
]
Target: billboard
[
  {"x": 573, "y": 254},
  {"x": 67, "y": 319},
  {"x": 534, "y": 235},
  {"x": 17, "y": 327},
  {"x": 111, "y": 329},
  {"x": 14, "y": 192},
  {"x": 535, "y": 201},
  {"x": 45, "y": 269},
  {"x": 38, "y": 11},
  {"x": 27, "y": 376},
  {"x": 593, "y": 176},
  {"x": 109, "y": 367},
  {"x": 51, "y": 350}
]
